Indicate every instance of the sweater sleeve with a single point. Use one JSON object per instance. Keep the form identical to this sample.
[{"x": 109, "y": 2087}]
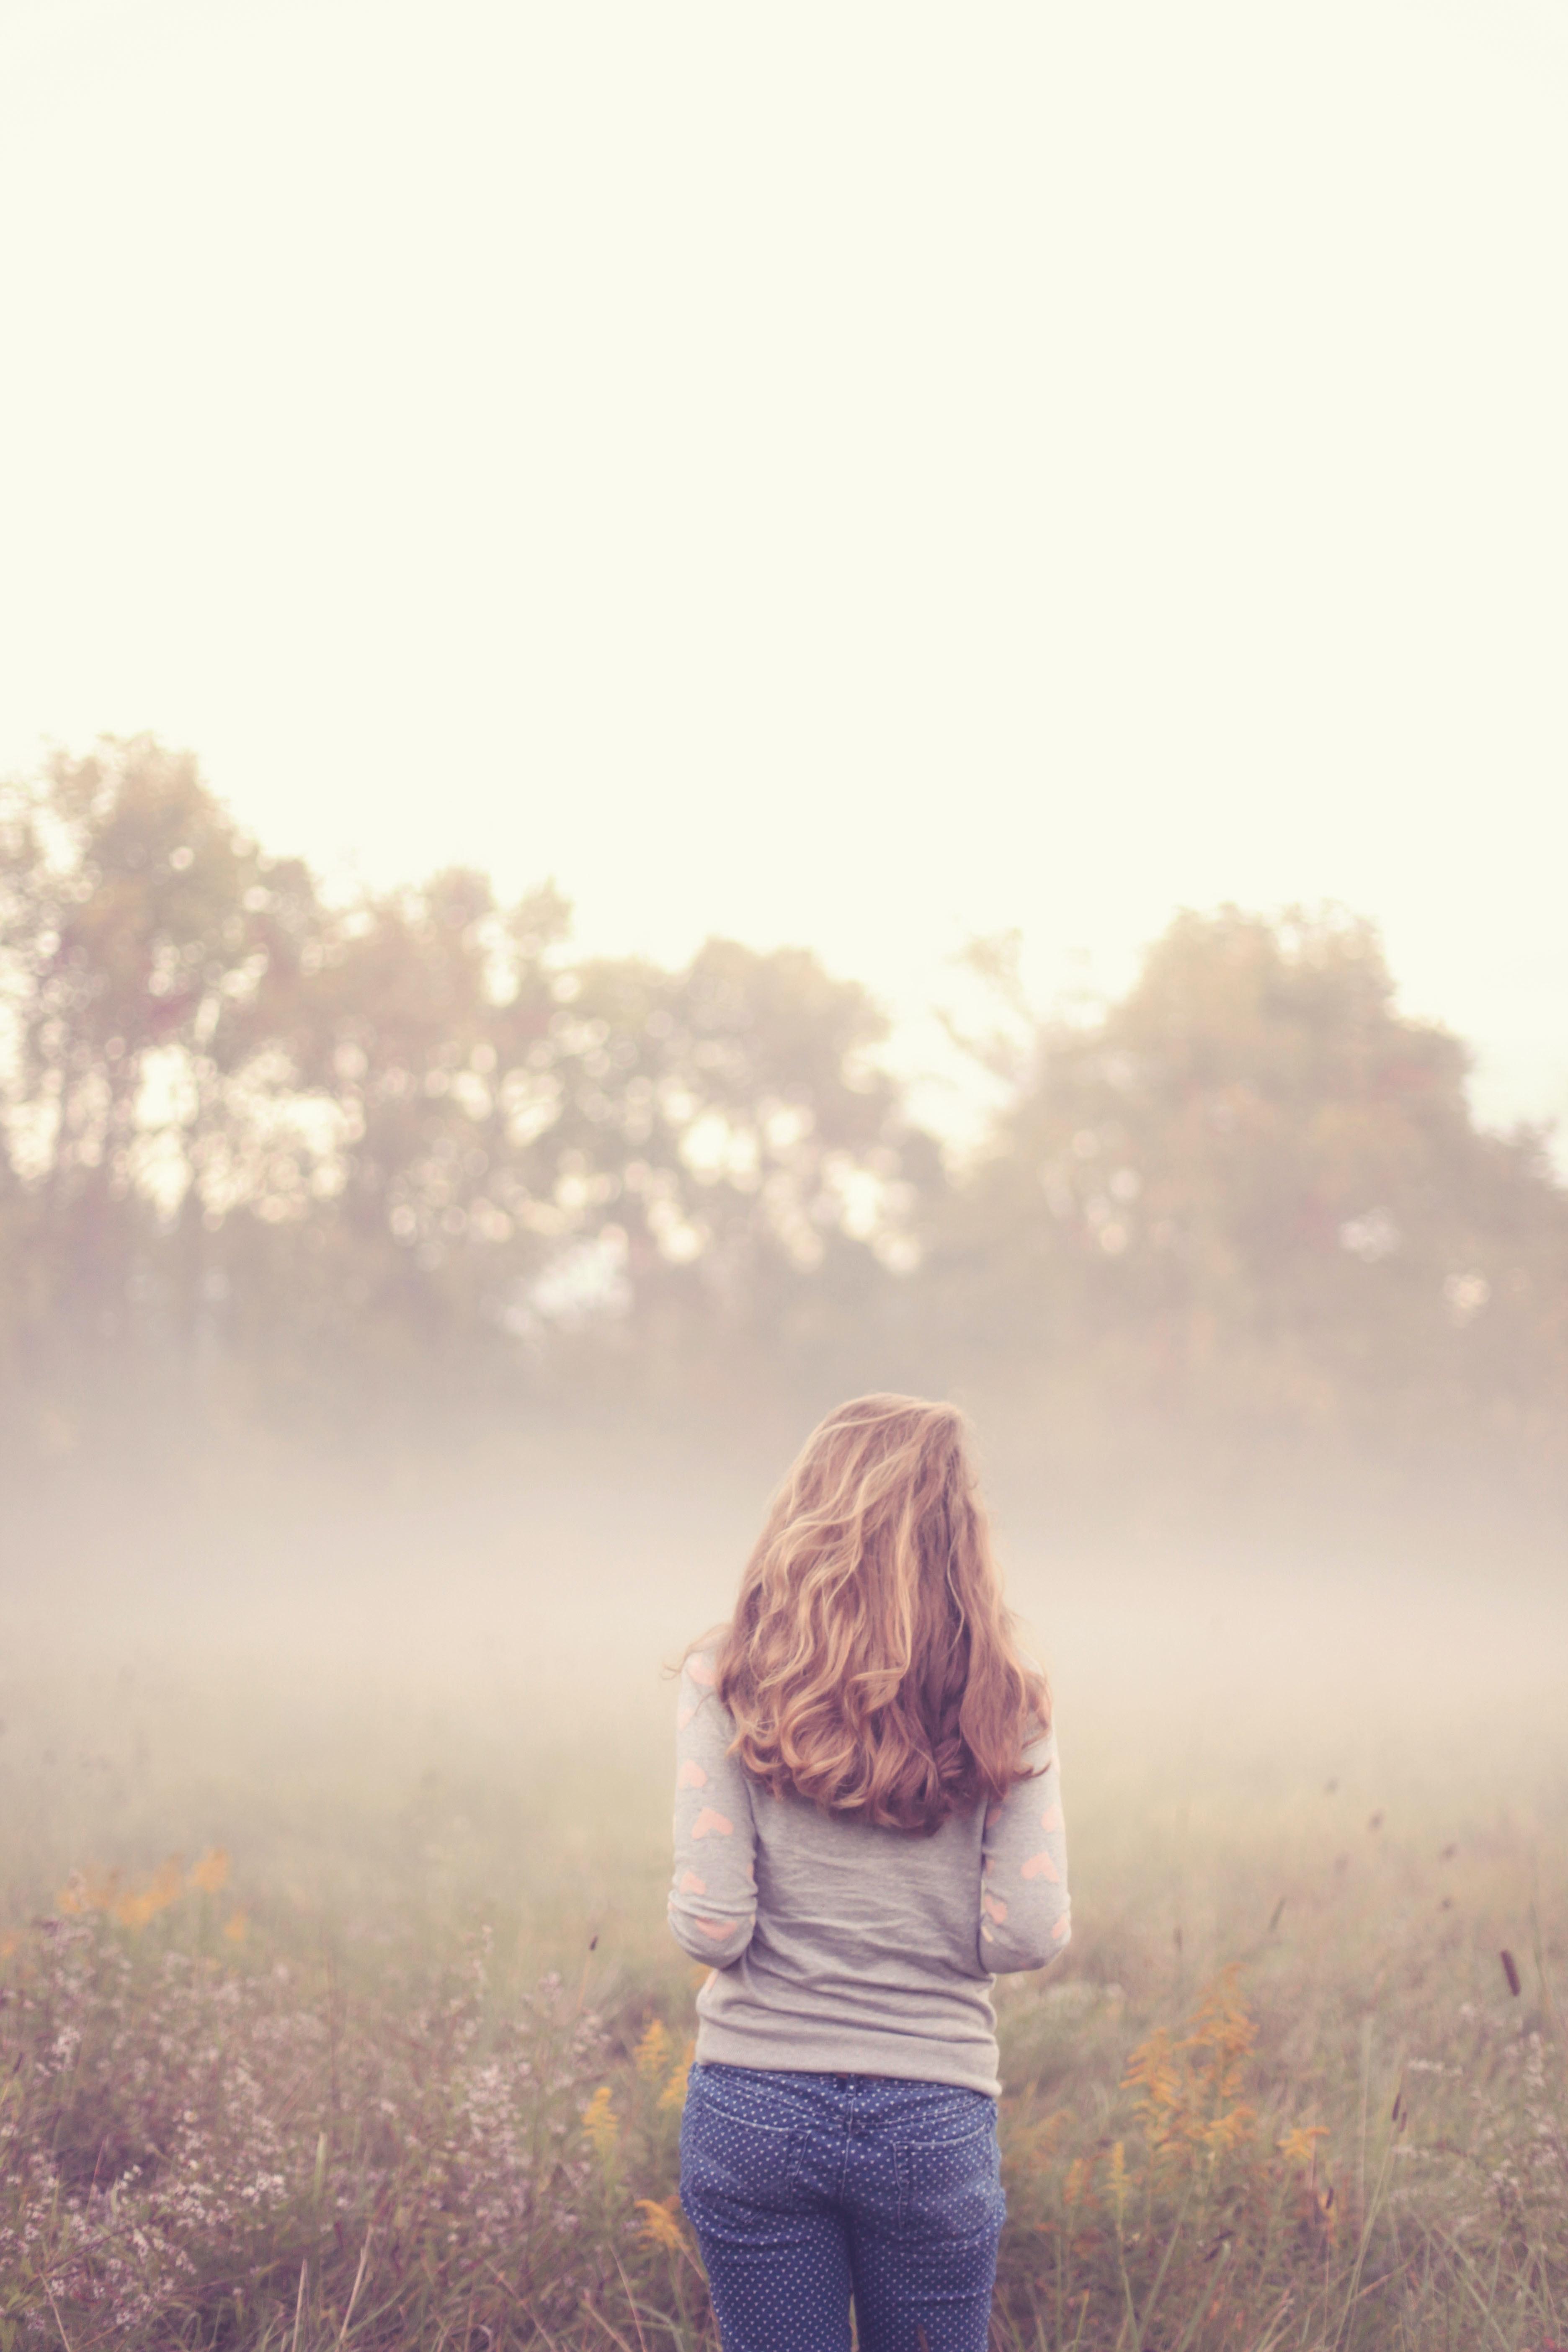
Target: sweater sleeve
[
  {"x": 713, "y": 1902},
  {"x": 1024, "y": 1916}
]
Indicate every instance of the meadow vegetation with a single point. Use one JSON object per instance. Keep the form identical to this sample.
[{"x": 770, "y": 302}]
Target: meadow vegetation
[{"x": 392, "y": 2053}]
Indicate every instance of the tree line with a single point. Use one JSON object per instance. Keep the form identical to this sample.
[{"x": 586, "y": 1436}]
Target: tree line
[{"x": 260, "y": 1143}]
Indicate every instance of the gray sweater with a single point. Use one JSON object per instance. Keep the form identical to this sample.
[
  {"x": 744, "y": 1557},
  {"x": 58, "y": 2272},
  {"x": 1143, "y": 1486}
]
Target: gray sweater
[{"x": 841, "y": 1948}]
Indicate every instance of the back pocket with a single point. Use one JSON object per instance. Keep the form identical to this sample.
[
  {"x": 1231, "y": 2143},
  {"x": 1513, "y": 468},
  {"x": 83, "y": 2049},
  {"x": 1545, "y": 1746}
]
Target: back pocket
[
  {"x": 953, "y": 2187},
  {"x": 730, "y": 2162}
]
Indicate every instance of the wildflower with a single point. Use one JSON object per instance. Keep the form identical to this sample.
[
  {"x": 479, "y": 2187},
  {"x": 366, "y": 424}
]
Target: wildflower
[
  {"x": 136, "y": 1906},
  {"x": 652, "y": 2058},
  {"x": 1228, "y": 2132},
  {"x": 1152, "y": 2071},
  {"x": 211, "y": 1871},
  {"x": 660, "y": 2226},
  {"x": 1190, "y": 2091},
  {"x": 85, "y": 1891},
  {"x": 601, "y": 2124},
  {"x": 673, "y": 2096},
  {"x": 1117, "y": 2172}
]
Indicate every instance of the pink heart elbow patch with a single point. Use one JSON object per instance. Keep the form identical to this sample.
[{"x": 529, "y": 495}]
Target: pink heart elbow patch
[
  {"x": 700, "y": 1672},
  {"x": 1051, "y": 1818},
  {"x": 1060, "y": 1929},
  {"x": 691, "y": 1884},
  {"x": 712, "y": 1825},
  {"x": 1040, "y": 1865},
  {"x": 994, "y": 1907},
  {"x": 717, "y": 1928},
  {"x": 691, "y": 1775}
]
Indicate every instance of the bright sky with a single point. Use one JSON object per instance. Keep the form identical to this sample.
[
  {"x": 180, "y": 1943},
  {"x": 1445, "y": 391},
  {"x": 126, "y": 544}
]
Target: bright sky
[{"x": 857, "y": 472}]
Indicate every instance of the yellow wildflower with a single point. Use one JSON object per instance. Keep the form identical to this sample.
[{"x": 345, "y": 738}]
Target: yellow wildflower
[
  {"x": 653, "y": 2051},
  {"x": 212, "y": 1871},
  {"x": 1118, "y": 2182},
  {"x": 674, "y": 2092},
  {"x": 601, "y": 2124},
  {"x": 133, "y": 1910},
  {"x": 84, "y": 1890},
  {"x": 660, "y": 2225}
]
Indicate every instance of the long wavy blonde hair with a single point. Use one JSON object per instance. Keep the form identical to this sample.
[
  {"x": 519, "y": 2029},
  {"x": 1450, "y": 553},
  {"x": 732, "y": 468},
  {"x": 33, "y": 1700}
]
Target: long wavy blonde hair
[{"x": 870, "y": 1666}]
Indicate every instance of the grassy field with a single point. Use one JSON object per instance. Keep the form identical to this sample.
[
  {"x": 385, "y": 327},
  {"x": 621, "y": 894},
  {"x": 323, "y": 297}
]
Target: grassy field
[{"x": 336, "y": 2006}]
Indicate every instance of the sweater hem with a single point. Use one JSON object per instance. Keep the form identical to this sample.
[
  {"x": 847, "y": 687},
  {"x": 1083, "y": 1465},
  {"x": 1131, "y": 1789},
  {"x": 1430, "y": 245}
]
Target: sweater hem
[{"x": 904, "y": 2059}]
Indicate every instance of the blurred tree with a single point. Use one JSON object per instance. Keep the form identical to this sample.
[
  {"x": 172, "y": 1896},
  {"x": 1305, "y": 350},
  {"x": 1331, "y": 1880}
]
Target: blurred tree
[
  {"x": 1255, "y": 1187},
  {"x": 405, "y": 1135},
  {"x": 252, "y": 1135},
  {"x": 130, "y": 964},
  {"x": 390, "y": 1206},
  {"x": 759, "y": 1164},
  {"x": 512, "y": 1152}
]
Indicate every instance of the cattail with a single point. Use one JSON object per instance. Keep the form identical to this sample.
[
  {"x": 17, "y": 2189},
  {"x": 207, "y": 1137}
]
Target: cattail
[{"x": 1510, "y": 1971}]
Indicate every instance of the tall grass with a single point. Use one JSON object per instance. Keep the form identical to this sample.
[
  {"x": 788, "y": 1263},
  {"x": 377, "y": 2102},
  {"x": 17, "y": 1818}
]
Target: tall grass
[
  {"x": 407, "y": 2071},
  {"x": 233, "y": 2122}
]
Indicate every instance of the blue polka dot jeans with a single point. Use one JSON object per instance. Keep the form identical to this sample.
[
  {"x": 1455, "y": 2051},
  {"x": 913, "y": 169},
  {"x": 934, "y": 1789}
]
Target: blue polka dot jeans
[{"x": 804, "y": 2189}]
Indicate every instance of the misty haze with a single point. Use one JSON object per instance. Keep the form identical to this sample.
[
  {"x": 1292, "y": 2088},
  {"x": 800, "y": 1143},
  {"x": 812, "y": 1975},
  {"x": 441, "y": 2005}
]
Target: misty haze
[
  {"x": 705, "y": 714},
  {"x": 407, "y": 1320}
]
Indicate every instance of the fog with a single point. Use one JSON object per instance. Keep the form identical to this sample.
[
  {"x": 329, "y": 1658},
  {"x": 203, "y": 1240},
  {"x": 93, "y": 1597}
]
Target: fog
[
  {"x": 707, "y": 711},
  {"x": 408, "y": 1679}
]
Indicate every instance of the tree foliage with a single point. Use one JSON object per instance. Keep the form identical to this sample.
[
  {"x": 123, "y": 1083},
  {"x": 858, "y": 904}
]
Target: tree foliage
[
  {"x": 242, "y": 1121},
  {"x": 1254, "y": 1181},
  {"x": 255, "y": 1136}
]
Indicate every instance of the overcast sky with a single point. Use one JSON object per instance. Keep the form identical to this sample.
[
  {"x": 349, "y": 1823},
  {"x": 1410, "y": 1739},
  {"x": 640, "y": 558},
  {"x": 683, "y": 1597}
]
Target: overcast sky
[{"x": 857, "y": 473}]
